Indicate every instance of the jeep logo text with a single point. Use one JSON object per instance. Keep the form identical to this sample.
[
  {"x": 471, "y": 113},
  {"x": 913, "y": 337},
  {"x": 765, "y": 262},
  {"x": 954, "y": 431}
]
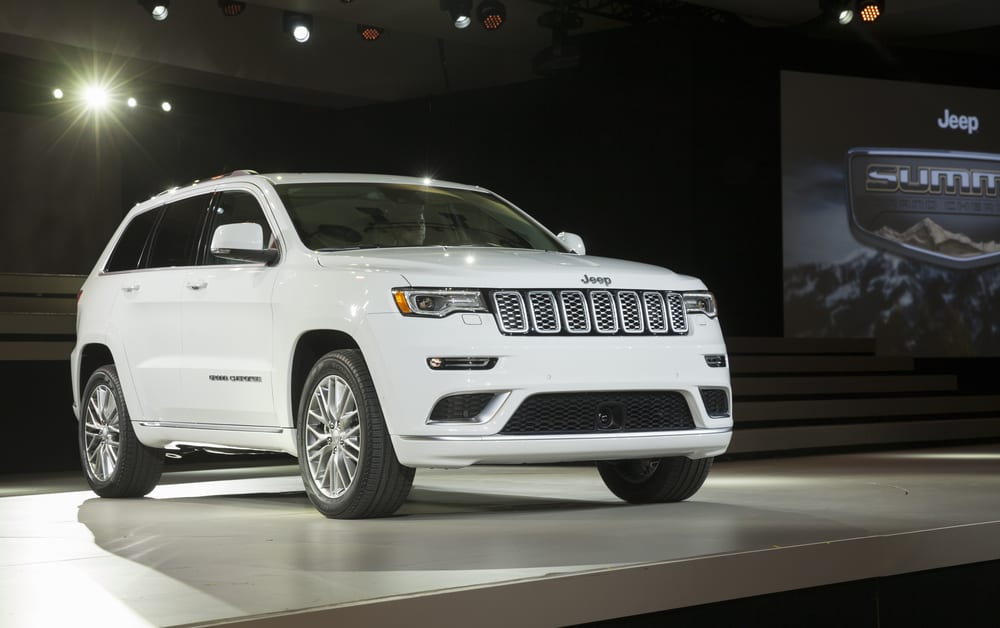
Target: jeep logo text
[
  {"x": 604, "y": 281},
  {"x": 969, "y": 124}
]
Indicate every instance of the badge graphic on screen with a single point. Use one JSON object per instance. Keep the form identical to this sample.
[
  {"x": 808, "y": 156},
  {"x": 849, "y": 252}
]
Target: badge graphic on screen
[{"x": 939, "y": 206}]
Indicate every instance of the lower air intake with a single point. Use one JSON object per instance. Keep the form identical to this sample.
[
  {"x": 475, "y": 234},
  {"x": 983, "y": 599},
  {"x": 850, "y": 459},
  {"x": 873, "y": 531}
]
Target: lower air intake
[
  {"x": 586, "y": 413},
  {"x": 716, "y": 402},
  {"x": 460, "y": 407}
]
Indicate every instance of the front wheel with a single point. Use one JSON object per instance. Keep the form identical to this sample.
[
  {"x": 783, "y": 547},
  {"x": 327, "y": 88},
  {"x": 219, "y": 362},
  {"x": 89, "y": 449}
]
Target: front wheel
[
  {"x": 115, "y": 462},
  {"x": 348, "y": 465},
  {"x": 655, "y": 480}
]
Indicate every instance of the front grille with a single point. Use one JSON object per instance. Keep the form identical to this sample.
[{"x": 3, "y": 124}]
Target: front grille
[
  {"x": 460, "y": 407},
  {"x": 716, "y": 402},
  {"x": 594, "y": 312},
  {"x": 578, "y": 413}
]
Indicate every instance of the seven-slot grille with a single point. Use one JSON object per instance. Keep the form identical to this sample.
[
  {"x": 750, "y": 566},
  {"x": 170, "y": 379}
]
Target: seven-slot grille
[{"x": 595, "y": 312}]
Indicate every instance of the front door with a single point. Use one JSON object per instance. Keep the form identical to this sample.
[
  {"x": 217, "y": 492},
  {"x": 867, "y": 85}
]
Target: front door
[{"x": 227, "y": 327}]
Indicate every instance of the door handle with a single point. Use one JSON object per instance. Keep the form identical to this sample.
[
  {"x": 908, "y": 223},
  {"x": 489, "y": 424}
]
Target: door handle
[
  {"x": 131, "y": 288},
  {"x": 197, "y": 285}
]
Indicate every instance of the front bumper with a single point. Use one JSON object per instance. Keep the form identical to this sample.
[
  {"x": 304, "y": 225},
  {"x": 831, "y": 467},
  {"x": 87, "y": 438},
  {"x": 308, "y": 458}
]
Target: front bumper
[
  {"x": 462, "y": 451},
  {"x": 408, "y": 388}
]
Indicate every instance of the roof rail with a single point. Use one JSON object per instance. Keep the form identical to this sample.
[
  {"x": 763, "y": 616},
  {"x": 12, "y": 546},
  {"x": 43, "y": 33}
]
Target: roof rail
[{"x": 234, "y": 173}]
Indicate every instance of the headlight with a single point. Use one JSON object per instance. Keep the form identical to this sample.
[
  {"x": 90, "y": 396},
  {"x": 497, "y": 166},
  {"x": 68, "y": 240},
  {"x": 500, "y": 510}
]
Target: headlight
[
  {"x": 437, "y": 302},
  {"x": 700, "y": 303}
]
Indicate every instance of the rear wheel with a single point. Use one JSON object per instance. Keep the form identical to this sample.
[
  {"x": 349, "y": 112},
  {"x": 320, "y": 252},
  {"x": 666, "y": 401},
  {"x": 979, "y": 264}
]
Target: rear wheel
[
  {"x": 348, "y": 465},
  {"x": 115, "y": 462},
  {"x": 654, "y": 480}
]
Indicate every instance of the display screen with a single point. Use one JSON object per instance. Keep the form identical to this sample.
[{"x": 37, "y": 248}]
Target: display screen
[{"x": 891, "y": 214}]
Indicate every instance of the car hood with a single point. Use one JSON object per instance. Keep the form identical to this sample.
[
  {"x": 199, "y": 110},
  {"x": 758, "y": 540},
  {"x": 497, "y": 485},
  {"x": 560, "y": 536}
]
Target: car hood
[{"x": 476, "y": 267}]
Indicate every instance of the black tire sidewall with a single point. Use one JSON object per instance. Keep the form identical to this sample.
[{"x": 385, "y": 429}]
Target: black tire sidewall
[
  {"x": 675, "y": 479},
  {"x": 335, "y": 364},
  {"x": 137, "y": 468}
]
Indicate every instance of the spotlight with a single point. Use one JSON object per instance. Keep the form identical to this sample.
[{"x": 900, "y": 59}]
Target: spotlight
[
  {"x": 369, "y": 32},
  {"x": 870, "y": 10},
  {"x": 95, "y": 96},
  {"x": 840, "y": 10},
  {"x": 492, "y": 14},
  {"x": 298, "y": 25},
  {"x": 159, "y": 9},
  {"x": 131, "y": 102},
  {"x": 460, "y": 12},
  {"x": 166, "y": 106},
  {"x": 57, "y": 94},
  {"x": 231, "y": 8}
]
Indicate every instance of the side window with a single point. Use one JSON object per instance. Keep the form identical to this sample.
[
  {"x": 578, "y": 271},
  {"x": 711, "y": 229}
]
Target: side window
[
  {"x": 232, "y": 207},
  {"x": 128, "y": 250},
  {"x": 176, "y": 239}
]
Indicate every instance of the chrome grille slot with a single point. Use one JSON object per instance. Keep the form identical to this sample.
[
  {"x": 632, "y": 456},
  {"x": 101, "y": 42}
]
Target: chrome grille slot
[
  {"x": 574, "y": 307},
  {"x": 602, "y": 305},
  {"x": 510, "y": 312},
  {"x": 678, "y": 317},
  {"x": 544, "y": 317},
  {"x": 591, "y": 312},
  {"x": 656, "y": 314},
  {"x": 631, "y": 313}
]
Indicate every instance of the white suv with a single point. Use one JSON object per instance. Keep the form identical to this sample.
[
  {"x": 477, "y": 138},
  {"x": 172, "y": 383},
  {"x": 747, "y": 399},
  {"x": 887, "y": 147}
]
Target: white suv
[{"x": 373, "y": 324}]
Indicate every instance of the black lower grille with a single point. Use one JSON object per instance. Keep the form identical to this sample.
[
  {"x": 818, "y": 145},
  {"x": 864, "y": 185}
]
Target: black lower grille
[
  {"x": 459, "y": 407},
  {"x": 601, "y": 412},
  {"x": 716, "y": 402}
]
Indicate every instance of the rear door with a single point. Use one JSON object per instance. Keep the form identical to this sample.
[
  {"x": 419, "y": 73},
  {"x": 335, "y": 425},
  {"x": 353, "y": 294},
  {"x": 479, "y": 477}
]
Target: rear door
[{"x": 148, "y": 310}]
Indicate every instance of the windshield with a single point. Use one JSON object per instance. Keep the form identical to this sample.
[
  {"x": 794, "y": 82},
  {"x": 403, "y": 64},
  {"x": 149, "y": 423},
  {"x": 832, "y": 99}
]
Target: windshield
[{"x": 337, "y": 216}]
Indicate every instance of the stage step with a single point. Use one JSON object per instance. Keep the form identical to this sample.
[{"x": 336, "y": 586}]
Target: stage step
[
  {"x": 815, "y": 393},
  {"x": 37, "y": 316},
  {"x": 798, "y": 364},
  {"x": 815, "y": 409},
  {"x": 749, "y": 386},
  {"x": 900, "y": 432}
]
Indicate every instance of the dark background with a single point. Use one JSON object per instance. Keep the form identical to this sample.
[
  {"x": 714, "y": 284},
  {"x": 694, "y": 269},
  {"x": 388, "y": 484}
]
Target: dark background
[{"x": 662, "y": 145}]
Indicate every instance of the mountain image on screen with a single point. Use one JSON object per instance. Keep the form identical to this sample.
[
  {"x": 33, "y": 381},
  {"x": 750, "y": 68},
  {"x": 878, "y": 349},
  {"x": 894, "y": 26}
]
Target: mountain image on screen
[
  {"x": 929, "y": 235},
  {"x": 911, "y": 307}
]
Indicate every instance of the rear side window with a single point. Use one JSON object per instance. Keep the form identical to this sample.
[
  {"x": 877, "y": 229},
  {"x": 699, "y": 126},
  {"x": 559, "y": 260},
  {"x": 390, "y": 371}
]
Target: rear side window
[
  {"x": 176, "y": 239},
  {"x": 128, "y": 251}
]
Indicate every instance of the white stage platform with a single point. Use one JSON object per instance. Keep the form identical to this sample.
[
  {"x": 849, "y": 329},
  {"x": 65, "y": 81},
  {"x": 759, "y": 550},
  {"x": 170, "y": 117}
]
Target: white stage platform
[{"x": 487, "y": 546}]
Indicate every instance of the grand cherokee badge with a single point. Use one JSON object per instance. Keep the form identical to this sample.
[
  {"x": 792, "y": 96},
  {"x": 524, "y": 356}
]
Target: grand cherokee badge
[{"x": 936, "y": 205}]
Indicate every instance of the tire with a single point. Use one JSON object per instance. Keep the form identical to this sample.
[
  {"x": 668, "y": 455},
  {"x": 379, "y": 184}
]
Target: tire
[
  {"x": 115, "y": 462},
  {"x": 346, "y": 458},
  {"x": 655, "y": 480}
]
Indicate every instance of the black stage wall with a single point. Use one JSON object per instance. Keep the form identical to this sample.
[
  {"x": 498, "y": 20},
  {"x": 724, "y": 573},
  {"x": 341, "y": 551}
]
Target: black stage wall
[{"x": 661, "y": 146}]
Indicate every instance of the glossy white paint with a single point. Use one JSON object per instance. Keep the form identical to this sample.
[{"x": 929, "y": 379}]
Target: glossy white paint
[{"x": 242, "y": 321}]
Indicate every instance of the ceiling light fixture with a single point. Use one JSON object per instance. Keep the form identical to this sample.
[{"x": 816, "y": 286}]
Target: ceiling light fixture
[
  {"x": 95, "y": 96},
  {"x": 132, "y": 102},
  {"x": 492, "y": 14},
  {"x": 57, "y": 94},
  {"x": 460, "y": 12},
  {"x": 298, "y": 25},
  {"x": 840, "y": 10},
  {"x": 870, "y": 10},
  {"x": 159, "y": 9},
  {"x": 231, "y": 8},
  {"x": 166, "y": 106},
  {"x": 369, "y": 32}
]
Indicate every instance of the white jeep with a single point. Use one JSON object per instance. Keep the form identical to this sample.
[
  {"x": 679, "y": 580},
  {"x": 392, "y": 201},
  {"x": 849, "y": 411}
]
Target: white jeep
[{"x": 373, "y": 324}]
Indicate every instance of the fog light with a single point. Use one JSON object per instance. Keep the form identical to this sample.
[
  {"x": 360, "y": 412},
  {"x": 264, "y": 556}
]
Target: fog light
[{"x": 462, "y": 364}]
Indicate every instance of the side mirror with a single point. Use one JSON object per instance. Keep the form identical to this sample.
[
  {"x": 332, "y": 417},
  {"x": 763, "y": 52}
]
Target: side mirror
[
  {"x": 242, "y": 242},
  {"x": 572, "y": 242}
]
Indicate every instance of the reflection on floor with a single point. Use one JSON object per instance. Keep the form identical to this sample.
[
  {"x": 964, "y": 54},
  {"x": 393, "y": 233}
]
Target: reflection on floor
[{"x": 492, "y": 545}]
